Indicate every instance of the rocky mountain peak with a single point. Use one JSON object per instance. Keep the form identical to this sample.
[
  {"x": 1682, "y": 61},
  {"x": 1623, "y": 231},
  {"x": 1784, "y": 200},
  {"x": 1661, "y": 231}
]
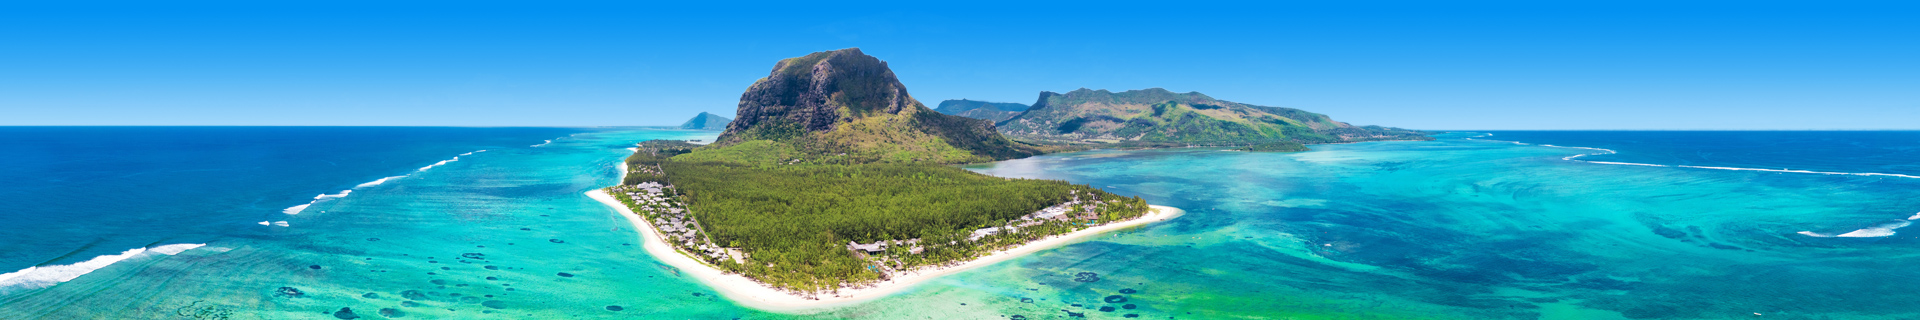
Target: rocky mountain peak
[{"x": 821, "y": 90}]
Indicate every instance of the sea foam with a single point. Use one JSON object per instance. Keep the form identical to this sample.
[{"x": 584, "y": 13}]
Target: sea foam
[
  {"x": 1880, "y": 230},
  {"x": 378, "y": 182},
  {"x": 541, "y": 144},
  {"x": 343, "y": 193},
  {"x": 36, "y": 277},
  {"x": 296, "y": 209},
  {"x": 1608, "y": 151}
]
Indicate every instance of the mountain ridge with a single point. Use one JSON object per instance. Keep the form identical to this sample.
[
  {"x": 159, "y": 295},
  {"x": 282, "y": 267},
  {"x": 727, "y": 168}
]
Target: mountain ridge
[
  {"x": 984, "y": 110},
  {"x": 1162, "y": 116},
  {"x": 706, "y": 121}
]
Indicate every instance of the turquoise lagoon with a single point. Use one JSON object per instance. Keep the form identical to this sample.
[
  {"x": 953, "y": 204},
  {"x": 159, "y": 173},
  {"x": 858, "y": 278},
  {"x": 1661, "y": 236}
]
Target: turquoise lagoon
[{"x": 1462, "y": 228}]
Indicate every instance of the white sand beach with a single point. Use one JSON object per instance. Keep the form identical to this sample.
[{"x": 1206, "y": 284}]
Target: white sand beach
[{"x": 753, "y": 294}]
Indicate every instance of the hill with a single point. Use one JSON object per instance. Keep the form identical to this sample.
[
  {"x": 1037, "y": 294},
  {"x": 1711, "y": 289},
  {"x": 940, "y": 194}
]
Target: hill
[
  {"x": 706, "y": 121},
  {"x": 990, "y": 111},
  {"x": 1160, "y": 116},
  {"x": 844, "y": 106},
  {"x": 830, "y": 151}
]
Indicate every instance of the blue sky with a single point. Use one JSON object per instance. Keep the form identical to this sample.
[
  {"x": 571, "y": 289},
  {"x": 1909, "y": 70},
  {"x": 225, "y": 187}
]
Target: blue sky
[{"x": 1480, "y": 65}]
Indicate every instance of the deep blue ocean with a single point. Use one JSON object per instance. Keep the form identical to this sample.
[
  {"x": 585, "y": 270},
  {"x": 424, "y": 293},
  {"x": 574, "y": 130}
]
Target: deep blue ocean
[
  {"x": 1895, "y": 152},
  {"x": 384, "y": 222},
  {"x": 74, "y": 193}
]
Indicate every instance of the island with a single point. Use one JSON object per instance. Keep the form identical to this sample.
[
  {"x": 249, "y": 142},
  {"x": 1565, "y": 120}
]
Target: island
[
  {"x": 835, "y": 185},
  {"x": 706, "y": 121}
]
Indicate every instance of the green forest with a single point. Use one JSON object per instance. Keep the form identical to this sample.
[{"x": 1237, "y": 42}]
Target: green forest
[
  {"x": 1277, "y": 146},
  {"x": 794, "y": 219}
]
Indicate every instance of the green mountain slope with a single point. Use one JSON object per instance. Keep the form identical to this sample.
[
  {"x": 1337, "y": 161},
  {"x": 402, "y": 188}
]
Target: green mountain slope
[
  {"x": 990, "y": 111},
  {"x": 844, "y": 106},
  {"x": 829, "y": 151},
  {"x": 1158, "y": 115},
  {"x": 706, "y": 121}
]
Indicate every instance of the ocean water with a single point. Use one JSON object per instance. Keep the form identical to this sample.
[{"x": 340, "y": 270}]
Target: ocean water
[{"x": 1472, "y": 226}]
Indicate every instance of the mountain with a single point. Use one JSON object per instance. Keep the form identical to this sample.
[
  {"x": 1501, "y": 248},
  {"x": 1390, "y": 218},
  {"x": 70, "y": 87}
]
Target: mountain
[
  {"x": 846, "y": 106},
  {"x": 706, "y": 121},
  {"x": 990, "y": 111},
  {"x": 1160, "y": 116}
]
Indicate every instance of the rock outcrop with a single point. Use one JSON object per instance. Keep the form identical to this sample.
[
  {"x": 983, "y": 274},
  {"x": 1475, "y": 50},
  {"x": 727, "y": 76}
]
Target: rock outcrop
[{"x": 846, "y": 102}]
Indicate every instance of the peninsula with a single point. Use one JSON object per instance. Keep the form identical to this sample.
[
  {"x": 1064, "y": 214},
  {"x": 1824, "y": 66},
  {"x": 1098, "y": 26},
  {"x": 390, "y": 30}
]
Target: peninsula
[
  {"x": 835, "y": 185},
  {"x": 1157, "y": 117}
]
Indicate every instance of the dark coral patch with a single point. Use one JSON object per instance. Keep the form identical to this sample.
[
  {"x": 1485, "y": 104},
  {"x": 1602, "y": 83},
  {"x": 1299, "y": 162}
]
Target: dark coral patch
[
  {"x": 1128, "y": 291},
  {"x": 345, "y": 313},
  {"x": 392, "y": 313},
  {"x": 615, "y": 308},
  {"x": 413, "y": 295},
  {"x": 1086, "y": 277},
  {"x": 1106, "y": 309},
  {"x": 370, "y": 295},
  {"x": 556, "y": 241},
  {"x": 1115, "y": 299},
  {"x": 565, "y": 275},
  {"x": 496, "y": 304},
  {"x": 289, "y": 292}
]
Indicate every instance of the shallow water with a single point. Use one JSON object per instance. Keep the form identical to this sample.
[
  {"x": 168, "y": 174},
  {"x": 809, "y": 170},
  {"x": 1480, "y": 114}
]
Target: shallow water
[{"x": 1449, "y": 229}]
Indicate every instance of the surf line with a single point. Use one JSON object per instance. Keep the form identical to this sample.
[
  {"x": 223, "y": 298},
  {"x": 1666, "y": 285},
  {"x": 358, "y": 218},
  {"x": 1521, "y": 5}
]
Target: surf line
[
  {"x": 36, "y": 277},
  {"x": 343, "y": 193},
  {"x": 1879, "y": 230},
  {"x": 1607, "y": 151}
]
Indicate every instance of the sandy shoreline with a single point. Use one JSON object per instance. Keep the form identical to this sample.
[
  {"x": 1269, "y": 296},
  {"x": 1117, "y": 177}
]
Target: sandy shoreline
[{"x": 753, "y": 294}]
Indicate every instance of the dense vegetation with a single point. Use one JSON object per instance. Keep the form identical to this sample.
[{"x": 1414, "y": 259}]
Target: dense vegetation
[
  {"x": 1277, "y": 146},
  {"x": 829, "y": 151},
  {"x": 644, "y": 165},
  {"x": 1156, "y": 116},
  {"x": 795, "y": 221}
]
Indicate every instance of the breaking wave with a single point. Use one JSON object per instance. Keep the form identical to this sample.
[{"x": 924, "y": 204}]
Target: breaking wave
[
  {"x": 36, "y": 277},
  {"x": 1879, "y": 230},
  {"x": 378, "y": 182},
  {"x": 343, "y": 193},
  {"x": 1607, "y": 151},
  {"x": 541, "y": 144}
]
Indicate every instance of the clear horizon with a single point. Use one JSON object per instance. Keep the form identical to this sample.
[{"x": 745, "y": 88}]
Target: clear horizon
[{"x": 1734, "y": 66}]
